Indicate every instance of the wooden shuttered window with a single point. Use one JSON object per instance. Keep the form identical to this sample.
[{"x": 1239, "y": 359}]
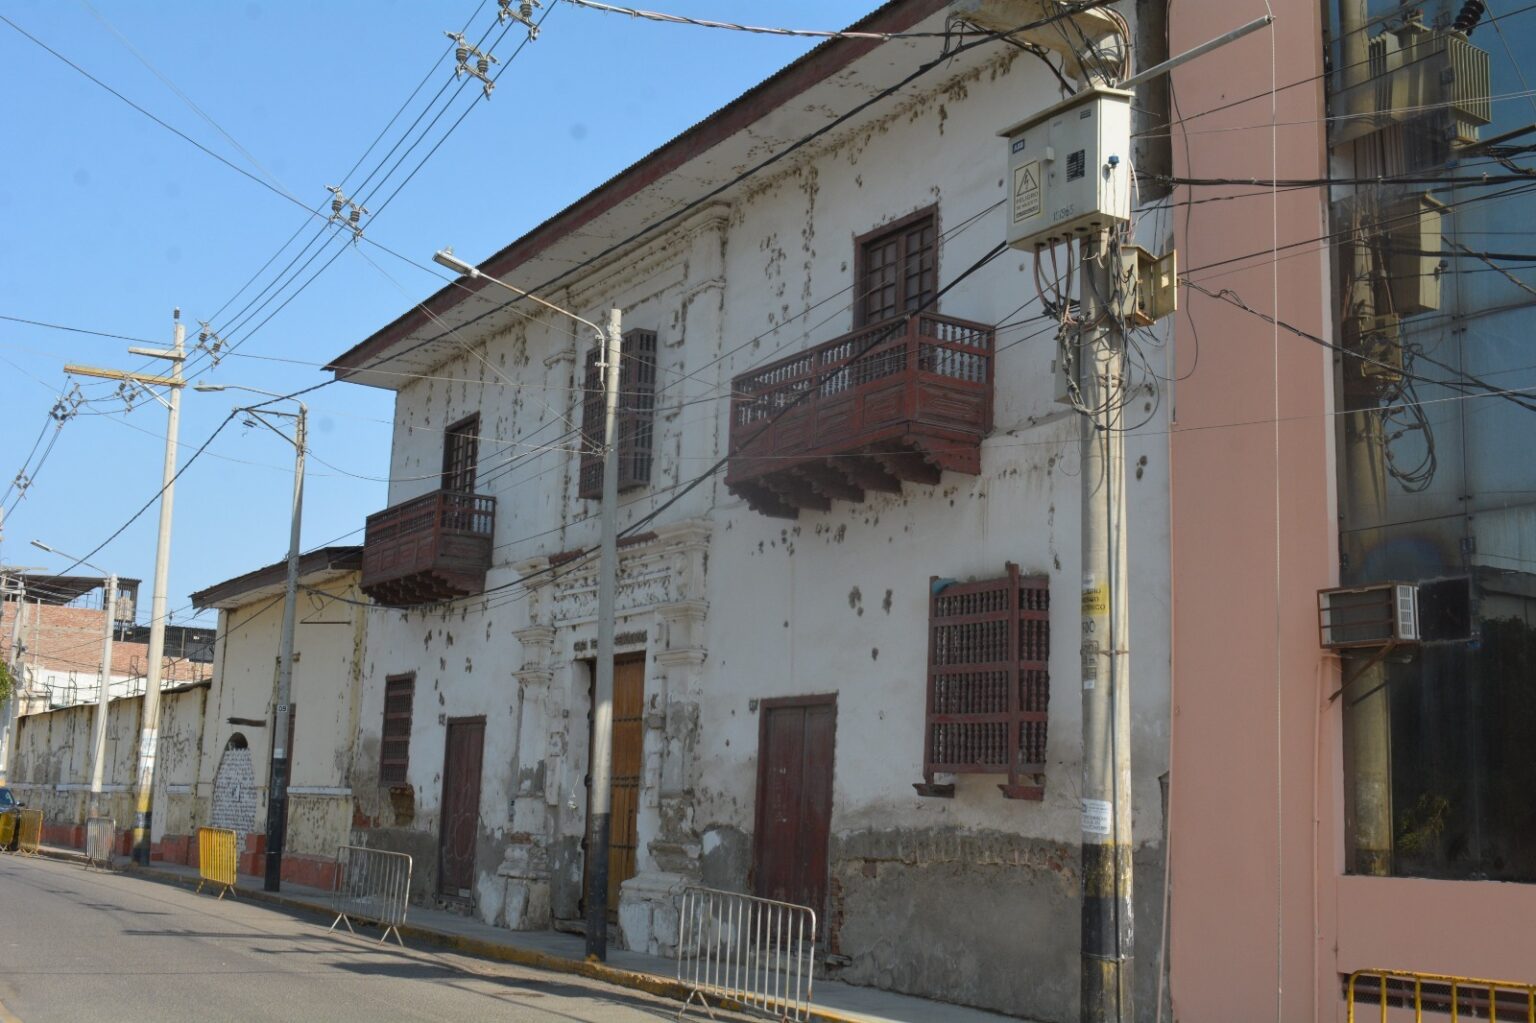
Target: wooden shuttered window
[
  {"x": 988, "y": 683},
  {"x": 461, "y": 455},
  {"x": 395, "y": 744},
  {"x": 896, "y": 268},
  {"x": 636, "y": 417}
]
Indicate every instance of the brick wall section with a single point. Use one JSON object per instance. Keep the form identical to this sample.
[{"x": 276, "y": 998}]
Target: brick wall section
[{"x": 66, "y": 639}]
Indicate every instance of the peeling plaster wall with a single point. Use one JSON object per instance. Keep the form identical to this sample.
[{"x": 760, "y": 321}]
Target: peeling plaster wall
[
  {"x": 972, "y": 899},
  {"x": 327, "y": 646},
  {"x": 53, "y": 767}
]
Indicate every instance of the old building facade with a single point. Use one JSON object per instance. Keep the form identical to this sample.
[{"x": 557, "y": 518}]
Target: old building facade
[{"x": 776, "y": 724}]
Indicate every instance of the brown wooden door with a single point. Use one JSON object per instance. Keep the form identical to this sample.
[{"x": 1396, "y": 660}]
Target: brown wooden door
[
  {"x": 628, "y": 739},
  {"x": 461, "y": 807},
  {"x": 794, "y": 799}
]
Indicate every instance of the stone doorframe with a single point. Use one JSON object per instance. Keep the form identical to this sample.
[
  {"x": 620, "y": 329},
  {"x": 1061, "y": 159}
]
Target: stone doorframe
[{"x": 660, "y": 613}]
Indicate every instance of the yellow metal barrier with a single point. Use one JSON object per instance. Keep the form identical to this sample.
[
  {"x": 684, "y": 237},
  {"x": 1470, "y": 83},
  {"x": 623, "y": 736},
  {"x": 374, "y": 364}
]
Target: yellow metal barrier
[
  {"x": 216, "y": 859},
  {"x": 8, "y": 830},
  {"x": 1440, "y": 993},
  {"x": 29, "y": 832}
]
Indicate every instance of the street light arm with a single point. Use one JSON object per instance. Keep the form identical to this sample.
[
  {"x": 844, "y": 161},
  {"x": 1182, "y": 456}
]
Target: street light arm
[{"x": 445, "y": 257}]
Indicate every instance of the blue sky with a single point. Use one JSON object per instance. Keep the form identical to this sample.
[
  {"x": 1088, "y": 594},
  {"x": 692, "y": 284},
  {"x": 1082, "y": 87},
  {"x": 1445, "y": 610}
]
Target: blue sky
[{"x": 112, "y": 220}]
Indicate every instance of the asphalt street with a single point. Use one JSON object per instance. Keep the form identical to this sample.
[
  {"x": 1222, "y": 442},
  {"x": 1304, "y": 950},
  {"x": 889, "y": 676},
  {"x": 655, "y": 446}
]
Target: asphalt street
[{"x": 81, "y": 946}]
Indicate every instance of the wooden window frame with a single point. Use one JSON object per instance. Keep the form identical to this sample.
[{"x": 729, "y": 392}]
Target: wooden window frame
[
  {"x": 963, "y": 710},
  {"x": 636, "y": 418},
  {"x": 388, "y": 776},
  {"x": 467, "y": 432},
  {"x": 861, "y": 245}
]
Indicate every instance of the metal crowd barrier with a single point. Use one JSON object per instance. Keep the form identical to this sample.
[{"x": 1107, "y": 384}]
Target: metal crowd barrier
[
  {"x": 99, "y": 833},
  {"x": 8, "y": 829},
  {"x": 29, "y": 832},
  {"x": 746, "y": 952},
  {"x": 1439, "y": 993},
  {"x": 372, "y": 886},
  {"x": 216, "y": 859}
]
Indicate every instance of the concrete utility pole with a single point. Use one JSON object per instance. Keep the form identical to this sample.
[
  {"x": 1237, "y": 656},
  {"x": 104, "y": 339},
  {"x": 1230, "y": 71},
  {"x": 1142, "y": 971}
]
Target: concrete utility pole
[
  {"x": 599, "y": 802},
  {"x": 103, "y": 700},
  {"x": 277, "y": 799},
  {"x": 149, "y": 735},
  {"x": 599, "y": 810},
  {"x": 282, "y": 756},
  {"x": 104, "y": 696},
  {"x": 13, "y": 705},
  {"x": 1107, "y": 935}
]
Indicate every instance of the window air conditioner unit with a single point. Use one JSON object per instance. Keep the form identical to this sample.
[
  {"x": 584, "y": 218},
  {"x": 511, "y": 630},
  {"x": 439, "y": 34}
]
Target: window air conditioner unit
[{"x": 1368, "y": 616}]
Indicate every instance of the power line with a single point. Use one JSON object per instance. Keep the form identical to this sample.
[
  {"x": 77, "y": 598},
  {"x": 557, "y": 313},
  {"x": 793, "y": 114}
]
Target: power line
[
  {"x": 678, "y": 19},
  {"x": 943, "y": 59}
]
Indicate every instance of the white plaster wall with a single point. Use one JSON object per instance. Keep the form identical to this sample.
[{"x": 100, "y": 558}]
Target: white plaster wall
[
  {"x": 834, "y": 602},
  {"x": 325, "y": 691}
]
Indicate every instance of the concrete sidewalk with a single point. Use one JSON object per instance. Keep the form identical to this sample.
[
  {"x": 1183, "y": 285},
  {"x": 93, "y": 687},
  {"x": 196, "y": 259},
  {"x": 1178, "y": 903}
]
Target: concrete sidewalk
[{"x": 835, "y": 1002}]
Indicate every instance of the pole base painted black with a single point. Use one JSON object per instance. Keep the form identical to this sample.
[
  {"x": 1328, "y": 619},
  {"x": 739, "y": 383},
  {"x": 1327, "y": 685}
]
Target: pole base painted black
[
  {"x": 597, "y": 886},
  {"x": 277, "y": 825},
  {"x": 141, "y": 833}
]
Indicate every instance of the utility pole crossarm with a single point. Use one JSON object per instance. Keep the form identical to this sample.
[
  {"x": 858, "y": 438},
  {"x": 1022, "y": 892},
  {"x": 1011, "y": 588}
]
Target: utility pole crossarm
[{"x": 120, "y": 374}]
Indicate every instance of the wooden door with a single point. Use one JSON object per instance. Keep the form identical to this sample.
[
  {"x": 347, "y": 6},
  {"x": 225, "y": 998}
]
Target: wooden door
[
  {"x": 460, "y": 824},
  {"x": 796, "y": 738},
  {"x": 628, "y": 740}
]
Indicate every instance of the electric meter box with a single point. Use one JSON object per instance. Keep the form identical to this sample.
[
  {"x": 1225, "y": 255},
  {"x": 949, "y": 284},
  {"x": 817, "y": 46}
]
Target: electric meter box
[{"x": 1069, "y": 171}]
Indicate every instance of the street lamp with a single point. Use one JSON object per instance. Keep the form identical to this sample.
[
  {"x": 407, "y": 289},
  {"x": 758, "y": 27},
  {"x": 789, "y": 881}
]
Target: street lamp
[
  {"x": 99, "y": 727},
  {"x": 599, "y": 802},
  {"x": 277, "y": 797},
  {"x": 445, "y": 257}
]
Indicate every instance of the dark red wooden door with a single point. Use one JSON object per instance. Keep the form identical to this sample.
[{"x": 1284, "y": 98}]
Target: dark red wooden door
[
  {"x": 794, "y": 799},
  {"x": 461, "y": 807}
]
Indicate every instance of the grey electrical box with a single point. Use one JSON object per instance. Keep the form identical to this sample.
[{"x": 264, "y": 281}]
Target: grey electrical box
[{"x": 1069, "y": 169}]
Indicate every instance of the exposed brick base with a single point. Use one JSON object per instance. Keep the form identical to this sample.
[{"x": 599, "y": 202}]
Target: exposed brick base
[
  {"x": 69, "y": 836},
  {"x": 313, "y": 871}
]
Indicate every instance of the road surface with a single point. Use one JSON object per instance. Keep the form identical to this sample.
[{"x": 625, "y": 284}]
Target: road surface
[{"x": 78, "y": 947}]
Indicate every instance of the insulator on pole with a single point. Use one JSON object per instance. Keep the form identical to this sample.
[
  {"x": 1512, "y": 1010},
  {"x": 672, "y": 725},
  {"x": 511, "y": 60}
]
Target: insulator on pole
[
  {"x": 484, "y": 66},
  {"x": 1470, "y": 14}
]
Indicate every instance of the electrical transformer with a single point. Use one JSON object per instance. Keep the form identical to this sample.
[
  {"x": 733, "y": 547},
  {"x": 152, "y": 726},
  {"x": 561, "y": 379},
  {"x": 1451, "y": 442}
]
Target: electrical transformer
[{"x": 1069, "y": 170}]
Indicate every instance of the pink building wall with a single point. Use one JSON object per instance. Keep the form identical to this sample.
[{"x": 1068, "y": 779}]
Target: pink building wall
[{"x": 1263, "y": 920}]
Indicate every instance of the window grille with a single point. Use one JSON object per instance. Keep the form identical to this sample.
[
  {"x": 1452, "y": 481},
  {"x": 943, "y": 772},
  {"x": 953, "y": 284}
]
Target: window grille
[
  {"x": 461, "y": 455},
  {"x": 636, "y": 416},
  {"x": 897, "y": 269},
  {"x": 988, "y": 682},
  {"x": 395, "y": 744}
]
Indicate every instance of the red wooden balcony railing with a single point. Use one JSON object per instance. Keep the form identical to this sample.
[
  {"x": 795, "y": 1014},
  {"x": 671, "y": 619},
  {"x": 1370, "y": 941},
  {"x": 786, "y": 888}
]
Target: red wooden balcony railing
[
  {"x": 430, "y": 548},
  {"x": 901, "y": 400}
]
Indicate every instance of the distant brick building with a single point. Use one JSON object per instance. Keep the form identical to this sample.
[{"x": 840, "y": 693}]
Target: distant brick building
[{"x": 61, "y": 656}]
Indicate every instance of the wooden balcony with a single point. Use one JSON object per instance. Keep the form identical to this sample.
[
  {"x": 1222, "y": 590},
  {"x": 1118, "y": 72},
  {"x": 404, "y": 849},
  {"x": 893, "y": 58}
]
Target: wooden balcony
[
  {"x": 434, "y": 547},
  {"x": 893, "y": 402}
]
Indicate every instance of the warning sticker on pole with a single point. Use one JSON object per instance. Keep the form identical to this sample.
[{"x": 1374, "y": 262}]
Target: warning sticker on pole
[
  {"x": 1095, "y": 598},
  {"x": 1026, "y": 191},
  {"x": 1098, "y": 817}
]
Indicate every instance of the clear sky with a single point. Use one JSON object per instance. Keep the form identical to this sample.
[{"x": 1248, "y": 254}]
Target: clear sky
[{"x": 111, "y": 220}]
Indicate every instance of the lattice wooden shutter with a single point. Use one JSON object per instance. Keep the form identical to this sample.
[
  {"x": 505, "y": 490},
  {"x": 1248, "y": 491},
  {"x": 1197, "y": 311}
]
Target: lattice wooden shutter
[
  {"x": 395, "y": 742},
  {"x": 988, "y": 682},
  {"x": 636, "y": 419}
]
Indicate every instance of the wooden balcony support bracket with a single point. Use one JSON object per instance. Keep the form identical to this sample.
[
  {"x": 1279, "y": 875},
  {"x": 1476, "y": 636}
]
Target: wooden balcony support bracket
[
  {"x": 829, "y": 480},
  {"x": 795, "y": 492},
  {"x": 866, "y": 472},
  {"x": 909, "y": 465}
]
